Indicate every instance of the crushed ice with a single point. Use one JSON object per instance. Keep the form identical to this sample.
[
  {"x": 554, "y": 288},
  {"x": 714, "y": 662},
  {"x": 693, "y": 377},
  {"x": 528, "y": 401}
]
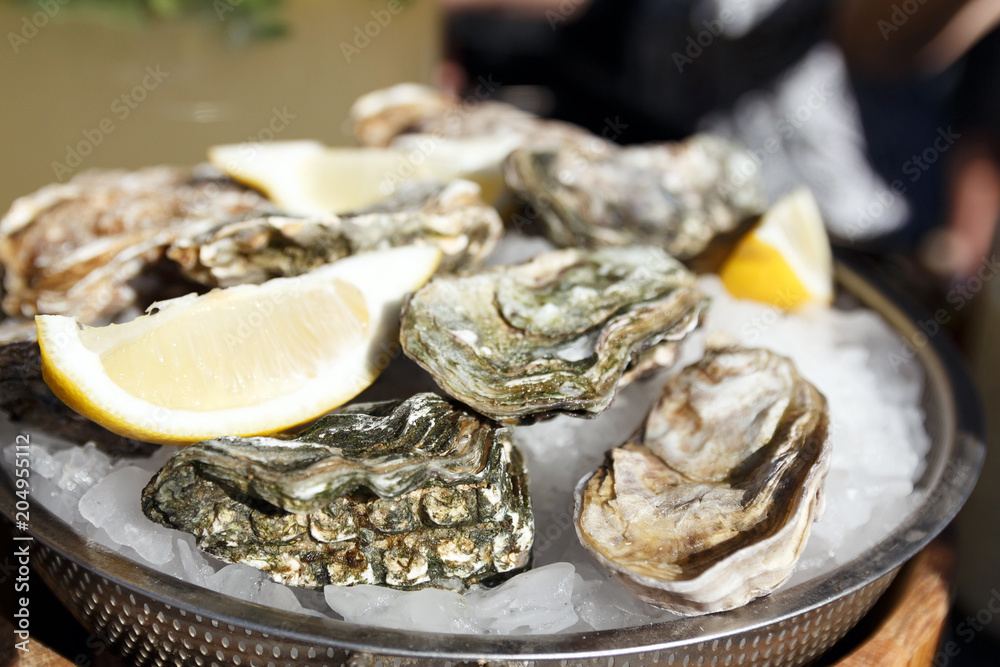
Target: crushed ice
[
  {"x": 538, "y": 601},
  {"x": 879, "y": 444}
]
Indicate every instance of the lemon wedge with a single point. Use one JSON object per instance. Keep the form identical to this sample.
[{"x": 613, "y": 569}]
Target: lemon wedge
[
  {"x": 272, "y": 168},
  {"x": 308, "y": 178},
  {"x": 247, "y": 360},
  {"x": 785, "y": 260}
]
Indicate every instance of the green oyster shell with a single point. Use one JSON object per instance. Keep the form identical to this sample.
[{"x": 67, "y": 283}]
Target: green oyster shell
[
  {"x": 405, "y": 494},
  {"x": 676, "y": 196},
  {"x": 558, "y": 333},
  {"x": 452, "y": 217}
]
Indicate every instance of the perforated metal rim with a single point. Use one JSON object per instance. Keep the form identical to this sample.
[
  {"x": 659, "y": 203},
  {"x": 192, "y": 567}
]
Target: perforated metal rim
[
  {"x": 953, "y": 465},
  {"x": 149, "y": 631}
]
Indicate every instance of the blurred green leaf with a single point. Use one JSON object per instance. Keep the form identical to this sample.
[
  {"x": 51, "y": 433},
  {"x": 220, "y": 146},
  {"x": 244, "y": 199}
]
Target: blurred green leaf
[{"x": 239, "y": 20}]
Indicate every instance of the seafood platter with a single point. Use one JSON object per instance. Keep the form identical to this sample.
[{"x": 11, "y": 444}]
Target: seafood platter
[{"x": 485, "y": 389}]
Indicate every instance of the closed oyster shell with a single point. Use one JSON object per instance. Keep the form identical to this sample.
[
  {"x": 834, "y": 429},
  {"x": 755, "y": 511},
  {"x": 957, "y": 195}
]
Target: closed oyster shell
[
  {"x": 710, "y": 505},
  {"x": 98, "y": 247},
  {"x": 406, "y": 494},
  {"x": 558, "y": 333},
  {"x": 452, "y": 217},
  {"x": 382, "y": 115},
  {"x": 81, "y": 248},
  {"x": 677, "y": 196}
]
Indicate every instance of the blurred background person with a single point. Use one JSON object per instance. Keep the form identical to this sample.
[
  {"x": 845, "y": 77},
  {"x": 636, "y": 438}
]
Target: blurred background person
[{"x": 886, "y": 109}]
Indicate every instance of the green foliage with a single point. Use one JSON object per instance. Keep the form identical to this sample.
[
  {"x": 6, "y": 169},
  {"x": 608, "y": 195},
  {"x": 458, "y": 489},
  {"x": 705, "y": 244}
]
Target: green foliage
[{"x": 238, "y": 20}]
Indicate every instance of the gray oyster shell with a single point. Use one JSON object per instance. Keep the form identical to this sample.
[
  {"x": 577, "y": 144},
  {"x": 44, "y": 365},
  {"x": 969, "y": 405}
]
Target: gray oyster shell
[
  {"x": 677, "y": 196},
  {"x": 406, "y": 494},
  {"x": 453, "y": 217},
  {"x": 106, "y": 244},
  {"x": 90, "y": 247},
  {"x": 710, "y": 505},
  {"x": 558, "y": 333},
  {"x": 381, "y": 116}
]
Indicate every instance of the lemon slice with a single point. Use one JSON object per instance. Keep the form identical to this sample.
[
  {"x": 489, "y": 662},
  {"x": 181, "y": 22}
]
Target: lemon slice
[
  {"x": 308, "y": 178},
  {"x": 246, "y": 360},
  {"x": 273, "y": 168},
  {"x": 786, "y": 259},
  {"x": 479, "y": 159}
]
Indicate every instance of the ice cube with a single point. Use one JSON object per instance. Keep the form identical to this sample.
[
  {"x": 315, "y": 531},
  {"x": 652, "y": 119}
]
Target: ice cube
[{"x": 113, "y": 504}]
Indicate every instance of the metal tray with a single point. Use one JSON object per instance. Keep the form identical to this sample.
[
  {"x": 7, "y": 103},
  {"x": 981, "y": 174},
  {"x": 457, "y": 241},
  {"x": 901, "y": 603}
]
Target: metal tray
[{"x": 156, "y": 619}]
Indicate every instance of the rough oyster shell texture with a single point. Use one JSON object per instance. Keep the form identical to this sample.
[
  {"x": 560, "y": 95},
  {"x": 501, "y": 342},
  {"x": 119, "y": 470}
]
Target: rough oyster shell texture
[
  {"x": 675, "y": 196},
  {"x": 407, "y": 494},
  {"x": 100, "y": 245},
  {"x": 452, "y": 217},
  {"x": 81, "y": 248},
  {"x": 558, "y": 333},
  {"x": 710, "y": 505},
  {"x": 381, "y": 116}
]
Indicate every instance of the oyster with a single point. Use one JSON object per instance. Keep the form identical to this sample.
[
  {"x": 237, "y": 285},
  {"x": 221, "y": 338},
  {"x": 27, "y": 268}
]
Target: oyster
[
  {"x": 710, "y": 504},
  {"x": 82, "y": 248},
  {"x": 675, "y": 196},
  {"x": 406, "y": 494},
  {"x": 379, "y": 117},
  {"x": 558, "y": 333},
  {"x": 452, "y": 217}
]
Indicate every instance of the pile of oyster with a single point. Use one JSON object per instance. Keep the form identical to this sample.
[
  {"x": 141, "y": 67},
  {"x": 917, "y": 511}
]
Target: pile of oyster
[
  {"x": 705, "y": 508},
  {"x": 106, "y": 244}
]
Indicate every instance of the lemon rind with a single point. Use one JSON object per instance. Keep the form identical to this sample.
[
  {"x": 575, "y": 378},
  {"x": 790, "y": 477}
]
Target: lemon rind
[{"x": 76, "y": 376}]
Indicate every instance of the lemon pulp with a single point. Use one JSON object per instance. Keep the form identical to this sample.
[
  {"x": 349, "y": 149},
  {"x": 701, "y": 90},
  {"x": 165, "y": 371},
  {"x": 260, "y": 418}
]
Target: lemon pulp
[
  {"x": 246, "y": 360},
  {"x": 786, "y": 259}
]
